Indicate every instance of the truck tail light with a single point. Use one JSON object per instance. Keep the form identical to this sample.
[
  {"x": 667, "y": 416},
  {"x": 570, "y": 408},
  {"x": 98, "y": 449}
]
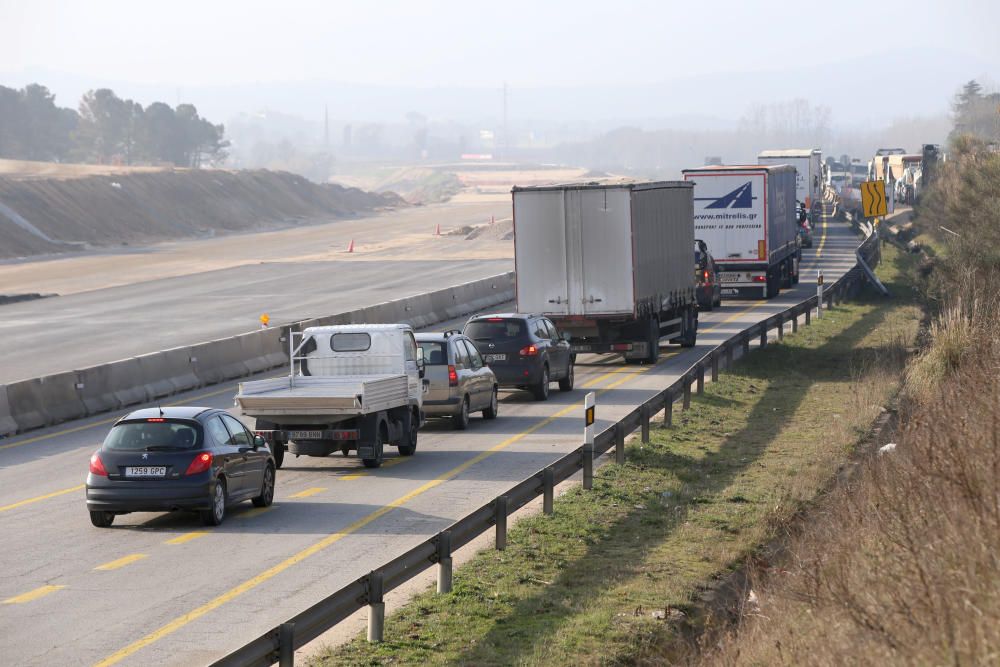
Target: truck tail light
[
  {"x": 97, "y": 465},
  {"x": 760, "y": 279},
  {"x": 201, "y": 463},
  {"x": 452, "y": 377},
  {"x": 529, "y": 351}
]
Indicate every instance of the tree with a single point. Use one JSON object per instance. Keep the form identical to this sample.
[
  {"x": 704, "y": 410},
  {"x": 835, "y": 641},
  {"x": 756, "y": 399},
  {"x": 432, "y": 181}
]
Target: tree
[{"x": 105, "y": 125}]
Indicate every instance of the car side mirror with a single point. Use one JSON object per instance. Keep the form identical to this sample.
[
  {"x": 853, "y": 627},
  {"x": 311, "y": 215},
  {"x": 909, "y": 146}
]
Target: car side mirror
[
  {"x": 565, "y": 336},
  {"x": 258, "y": 441}
]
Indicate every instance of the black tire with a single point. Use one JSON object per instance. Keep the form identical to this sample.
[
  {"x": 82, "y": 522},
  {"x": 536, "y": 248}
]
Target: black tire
[
  {"x": 216, "y": 514},
  {"x": 786, "y": 275},
  {"x": 102, "y": 519},
  {"x": 718, "y": 302},
  {"x": 279, "y": 455},
  {"x": 460, "y": 421},
  {"x": 566, "y": 384},
  {"x": 654, "y": 341},
  {"x": 541, "y": 390},
  {"x": 689, "y": 337},
  {"x": 266, "y": 496},
  {"x": 494, "y": 409},
  {"x": 772, "y": 284},
  {"x": 379, "y": 455},
  {"x": 408, "y": 445}
]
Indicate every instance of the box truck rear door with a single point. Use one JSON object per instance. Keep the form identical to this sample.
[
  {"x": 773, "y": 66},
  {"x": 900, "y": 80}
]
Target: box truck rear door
[
  {"x": 606, "y": 251},
  {"x": 540, "y": 252}
]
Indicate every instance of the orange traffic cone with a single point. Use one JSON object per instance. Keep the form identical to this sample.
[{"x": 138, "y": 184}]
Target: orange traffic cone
[
  {"x": 437, "y": 230},
  {"x": 350, "y": 246}
]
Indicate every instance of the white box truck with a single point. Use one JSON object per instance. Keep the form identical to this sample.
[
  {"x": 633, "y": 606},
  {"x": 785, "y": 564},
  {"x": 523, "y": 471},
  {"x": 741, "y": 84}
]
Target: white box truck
[
  {"x": 808, "y": 163},
  {"x": 746, "y": 215},
  {"x": 350, "y": 387},
  {"x": 611, "y": 265}
]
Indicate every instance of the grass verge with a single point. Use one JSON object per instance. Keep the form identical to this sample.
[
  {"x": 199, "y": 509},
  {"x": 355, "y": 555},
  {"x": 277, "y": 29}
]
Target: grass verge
[{"x": 600, "y": 580}]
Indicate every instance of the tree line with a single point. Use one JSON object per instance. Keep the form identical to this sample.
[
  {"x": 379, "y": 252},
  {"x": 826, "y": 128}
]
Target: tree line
[
  {"x": 105, "y": 129},
  {"x": 976, "y": 113}
]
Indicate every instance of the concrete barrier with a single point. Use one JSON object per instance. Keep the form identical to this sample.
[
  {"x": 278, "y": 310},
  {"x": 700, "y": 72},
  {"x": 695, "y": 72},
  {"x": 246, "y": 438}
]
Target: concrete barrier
[
  {"x": 167, "y": 372},
  {"x": 219, "y": 360},
  {"x": 111, "y": 386},
  {"x": 7, "y": 424},
  {"x": 45, "y": 401}
]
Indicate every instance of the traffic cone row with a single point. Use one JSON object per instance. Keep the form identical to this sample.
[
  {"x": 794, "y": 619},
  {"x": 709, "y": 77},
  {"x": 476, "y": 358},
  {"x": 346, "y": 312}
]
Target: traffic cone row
[{"x": 350, "y": 246}]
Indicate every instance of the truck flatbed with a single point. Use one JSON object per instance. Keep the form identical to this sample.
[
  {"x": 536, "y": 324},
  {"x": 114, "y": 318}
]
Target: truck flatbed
[{"x": 322, "y": 395}]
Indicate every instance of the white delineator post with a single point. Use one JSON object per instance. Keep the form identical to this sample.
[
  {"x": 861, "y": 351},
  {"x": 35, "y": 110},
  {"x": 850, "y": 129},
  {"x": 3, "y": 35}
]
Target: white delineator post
[
  {"x": 819, "y": 295},
  {"x": 589, "y": 408}
]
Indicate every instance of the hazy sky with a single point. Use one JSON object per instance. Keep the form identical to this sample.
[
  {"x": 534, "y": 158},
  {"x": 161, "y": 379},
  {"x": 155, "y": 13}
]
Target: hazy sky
[{"x": 431, "y": 42}]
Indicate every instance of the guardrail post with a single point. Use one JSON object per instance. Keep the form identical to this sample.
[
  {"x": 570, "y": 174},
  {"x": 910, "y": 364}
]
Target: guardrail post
[
  {"x": 701, "y": 379},
  {"x": 444, "y": 561},
  {"x": 619, "y": 444},
  {"x": 500, "y": 517},
  {"x": 548, "y": 490},
  {"x": 286, "y": 645},
  {"x": 644, "y": 422},
  {"x": 687, "y": 392},
  {"x": 588, "y": 442},
  {"x": 376, "y": 607},
  {"x": 781, "y": 327},
  {"x": 668, "y": 410},
  {"x": 715, "y": 367}
]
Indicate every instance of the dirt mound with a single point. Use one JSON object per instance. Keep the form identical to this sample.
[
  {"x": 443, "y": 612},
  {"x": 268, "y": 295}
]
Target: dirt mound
[{"x": 53, "y": 215}]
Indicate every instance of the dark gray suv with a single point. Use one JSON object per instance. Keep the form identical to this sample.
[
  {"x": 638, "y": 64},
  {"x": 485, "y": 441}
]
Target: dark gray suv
[{"x": 524, "y": 351}]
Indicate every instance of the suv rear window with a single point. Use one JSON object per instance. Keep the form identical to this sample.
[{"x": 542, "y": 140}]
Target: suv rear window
[
  {"x": 165, "y": 435},
  {"x": 495, "y": 329},
  {"x": 434, "y": 353}
]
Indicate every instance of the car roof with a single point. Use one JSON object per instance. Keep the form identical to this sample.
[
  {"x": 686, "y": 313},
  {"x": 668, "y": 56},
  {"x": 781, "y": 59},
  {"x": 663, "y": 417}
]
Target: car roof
[
  {"x": 438, "y": 336},
  {"x": 170, "y": 412},
  {"x": 521, "y": 316}
]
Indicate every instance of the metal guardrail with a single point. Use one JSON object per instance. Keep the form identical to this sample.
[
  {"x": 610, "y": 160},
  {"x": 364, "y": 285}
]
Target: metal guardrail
[{"x": 279, "y": 643}]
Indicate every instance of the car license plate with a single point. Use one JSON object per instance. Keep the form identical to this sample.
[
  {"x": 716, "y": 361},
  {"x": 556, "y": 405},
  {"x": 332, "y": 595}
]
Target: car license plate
[
  {"x": 579, "y": 348},
  {"x": 146, "y": 471},
  {"x": 305, "y": 435},
  {"x": 495, "y": 357}
]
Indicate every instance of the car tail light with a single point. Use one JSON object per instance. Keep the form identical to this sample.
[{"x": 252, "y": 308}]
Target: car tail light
[
  {"x": 529, "y": 351},
  {"x": 97, "y": 465},
  {"x": 201, "y": 463},
  {"x": 452, "y": 377},
  {"x": 707, "y": 280},
  {"x": 759, "y": 279},
  {"x": 494, "y": 319},
  {"x": 156, "y": 419}
]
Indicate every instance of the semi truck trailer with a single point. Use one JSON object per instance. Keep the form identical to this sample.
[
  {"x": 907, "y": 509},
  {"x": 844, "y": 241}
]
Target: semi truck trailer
[
  {"x": 612, "y": 265},
  {"x": 808, "y": 163},
  {"x": 746, "y": 215}
]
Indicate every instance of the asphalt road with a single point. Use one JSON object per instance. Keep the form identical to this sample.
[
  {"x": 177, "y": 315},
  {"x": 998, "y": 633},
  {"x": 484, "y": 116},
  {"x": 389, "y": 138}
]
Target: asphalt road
[
  {"x": 133, "y": 302},
  {"x": 162, "y": 589}
]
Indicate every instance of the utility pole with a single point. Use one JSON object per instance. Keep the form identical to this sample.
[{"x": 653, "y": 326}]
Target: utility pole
[{"x": 506, "y": 141}]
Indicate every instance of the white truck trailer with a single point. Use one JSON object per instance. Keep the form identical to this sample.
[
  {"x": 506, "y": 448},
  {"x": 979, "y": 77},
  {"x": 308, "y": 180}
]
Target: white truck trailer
[
  {"x": 350, "y": 387},
  {"x": 808, "y": 163},
  {"x": 612, "y": 265},
  {"x": 746, "y": 215}
]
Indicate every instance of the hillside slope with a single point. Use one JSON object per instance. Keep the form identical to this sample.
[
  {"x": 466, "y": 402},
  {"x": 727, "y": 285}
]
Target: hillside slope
[{"x": 62, "y": 215}]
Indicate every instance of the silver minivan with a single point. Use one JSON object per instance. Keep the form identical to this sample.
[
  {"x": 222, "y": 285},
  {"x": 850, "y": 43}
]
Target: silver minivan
[{"x": 460, "y": 382}]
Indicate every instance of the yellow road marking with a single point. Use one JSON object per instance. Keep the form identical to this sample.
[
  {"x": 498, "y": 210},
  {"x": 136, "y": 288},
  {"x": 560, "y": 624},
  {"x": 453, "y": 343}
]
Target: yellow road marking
[
  {"x": 22, "y": 503},
  {"x": 312, "y": 491},
  {"x": 187, "y": 537},
  {"x": 103, "y": 422},
  {"x": 33, "y": 595},
  {"x": 256, "y": 511},
  {"x": 121, "y": 562},
  {"x": 315, "y": 548}
]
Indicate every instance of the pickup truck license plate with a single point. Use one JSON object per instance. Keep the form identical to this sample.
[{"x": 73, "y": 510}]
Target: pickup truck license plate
[
  {"x": 146, "y": 471},
  {"x": 305, "y": 435},
  {"x": 495, "y": 357}
]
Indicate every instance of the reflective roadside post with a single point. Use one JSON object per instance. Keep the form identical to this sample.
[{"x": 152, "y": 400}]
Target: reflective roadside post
[
  {"x": 589, "y": 409},
  {"x": 819, "y": 295}
]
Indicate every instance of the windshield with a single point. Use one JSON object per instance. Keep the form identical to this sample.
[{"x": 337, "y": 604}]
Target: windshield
[
  {"x": 434, "y": 353},
  {"x": 154, "y": 435},
  {"x": 495, "y": 329}
]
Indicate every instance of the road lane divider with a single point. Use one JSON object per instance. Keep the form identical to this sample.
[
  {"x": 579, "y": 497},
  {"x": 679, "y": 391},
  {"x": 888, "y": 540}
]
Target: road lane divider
[
  {"x": 121, "y": 562},
  {"x": 29, "y": 501},
  {"x": 187, "y": 537},
  {"x": 315, "y": 548},
  {"x": 311, "y": 491},
  {"x": 30, "y": 596}
]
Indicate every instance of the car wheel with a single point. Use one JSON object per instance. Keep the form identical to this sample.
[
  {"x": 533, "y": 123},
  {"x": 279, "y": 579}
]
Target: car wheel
[
  {"x": 215, "y": 515},
  {"x": 460, "y": 421},
  {"x": 409, "y": 444},
  {"x": 494, "y": 409},
  {"x": 266, "y": 496},
  {"x": 566, "y": 384},
  {"x": 279, "y": 455},
  {"x": 541, "y": 390},
  {"x": 102, "y": 519},
  {"x": 718, "y": 300},
  {"x": 379, "y": 443}
]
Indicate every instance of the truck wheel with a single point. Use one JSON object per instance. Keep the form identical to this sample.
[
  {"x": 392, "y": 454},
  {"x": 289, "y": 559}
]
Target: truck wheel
[
  {"x": 772, "y": 284},
  {"x": 566, "y": 384},
  {"x": 796, "y": 269},
  {"x": 379, "y": 443},
  {"x": 279, "y": 455},
  {"x": 408, "y": 445},
  {"x": 494, "y": 409},
  {"x": 786, "y": 275},
  {"x": 460, "y": 421},
  {"x": 689, "y": 336},
  {"x": 654, "y": 341},
  {"x": 541, "y": 390}
]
